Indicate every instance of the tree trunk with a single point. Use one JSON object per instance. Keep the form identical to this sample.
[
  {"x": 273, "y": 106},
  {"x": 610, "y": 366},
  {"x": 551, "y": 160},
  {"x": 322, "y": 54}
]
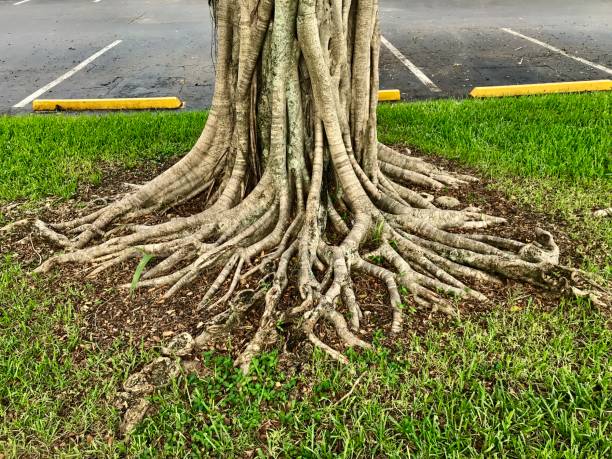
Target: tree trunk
[{"x": 291, "y": 172}]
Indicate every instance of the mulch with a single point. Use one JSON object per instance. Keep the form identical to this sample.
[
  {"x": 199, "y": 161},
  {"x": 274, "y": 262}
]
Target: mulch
[{"x": 110, "y": 312}]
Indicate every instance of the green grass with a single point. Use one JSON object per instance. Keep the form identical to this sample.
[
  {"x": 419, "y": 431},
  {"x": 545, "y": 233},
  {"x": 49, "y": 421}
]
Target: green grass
[
  {"x": 516, "y": 382},
  {"x": 48, "y": 155},
  {"x": 561, "y": 136},
  {"x": 55, "y": 386}
]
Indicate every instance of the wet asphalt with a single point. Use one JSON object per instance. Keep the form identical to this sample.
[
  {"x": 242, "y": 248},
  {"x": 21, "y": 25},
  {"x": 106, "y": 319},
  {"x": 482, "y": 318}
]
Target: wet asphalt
[{"x": 166, "y": 47}]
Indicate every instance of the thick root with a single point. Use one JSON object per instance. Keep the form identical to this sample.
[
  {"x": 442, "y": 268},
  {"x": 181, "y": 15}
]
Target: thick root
[
  {"x": 418, "y": 260},
  {"x": 416, "y": 256}
]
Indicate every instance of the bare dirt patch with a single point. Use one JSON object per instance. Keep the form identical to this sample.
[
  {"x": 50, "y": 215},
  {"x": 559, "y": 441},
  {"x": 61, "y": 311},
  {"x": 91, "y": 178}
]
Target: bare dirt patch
[{"x": 111, "y": 312}]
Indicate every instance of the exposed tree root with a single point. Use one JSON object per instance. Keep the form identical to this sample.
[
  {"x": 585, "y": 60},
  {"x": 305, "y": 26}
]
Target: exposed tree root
[
  {"x": 414, "y": 253},
  {"x": 291, "y": 172}
]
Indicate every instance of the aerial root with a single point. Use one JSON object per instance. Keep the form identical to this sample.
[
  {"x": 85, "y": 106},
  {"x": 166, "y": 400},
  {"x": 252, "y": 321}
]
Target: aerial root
[
  {"x": 270, "y": 314},
  {"x": 394, "y": 163},
  {"x": 390, "y": 280},
  {"x": 586, "y": 285},
  {"x": 417, "y": 256},
  {"x": 426, "y": 281},
  {"x": 234, "y": 264}
]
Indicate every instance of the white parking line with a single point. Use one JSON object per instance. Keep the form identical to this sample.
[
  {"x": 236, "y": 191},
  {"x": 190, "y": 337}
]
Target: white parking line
[
  {"x": 19, "y": 3},
  {"x": 96, "y": 1},
  {"x": 560, "y": 51},
  {"x": 66, "y": 75},
  {"x": 413, "y": 68}
]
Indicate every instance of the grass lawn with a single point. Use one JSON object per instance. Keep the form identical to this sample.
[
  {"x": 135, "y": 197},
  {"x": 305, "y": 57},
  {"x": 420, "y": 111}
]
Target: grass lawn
[{"x": 518, "y": 381}]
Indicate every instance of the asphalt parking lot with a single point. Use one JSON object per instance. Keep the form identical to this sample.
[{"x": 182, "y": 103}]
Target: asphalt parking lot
[{"x": 432, "y": 48}]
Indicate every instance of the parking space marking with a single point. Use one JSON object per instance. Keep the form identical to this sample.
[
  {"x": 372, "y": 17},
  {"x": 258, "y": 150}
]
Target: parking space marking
[
  {"x": 66, "y": 75},
  {"x": 19, "y": 3},
  {"x": 413, "y": 68},
  {"x": 557, "y": 50}
]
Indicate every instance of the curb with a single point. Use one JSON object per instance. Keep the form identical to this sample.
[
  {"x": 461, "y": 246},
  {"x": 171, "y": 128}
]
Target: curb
[
  {"x": 389, "y": 95},
  {"x": 541, "y": 88},
  {"x": 146, "y": 103}
]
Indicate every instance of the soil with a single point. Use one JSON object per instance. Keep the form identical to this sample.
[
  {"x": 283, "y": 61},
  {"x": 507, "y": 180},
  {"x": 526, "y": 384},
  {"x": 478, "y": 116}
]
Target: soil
[{"x": 110, "y": 312}]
